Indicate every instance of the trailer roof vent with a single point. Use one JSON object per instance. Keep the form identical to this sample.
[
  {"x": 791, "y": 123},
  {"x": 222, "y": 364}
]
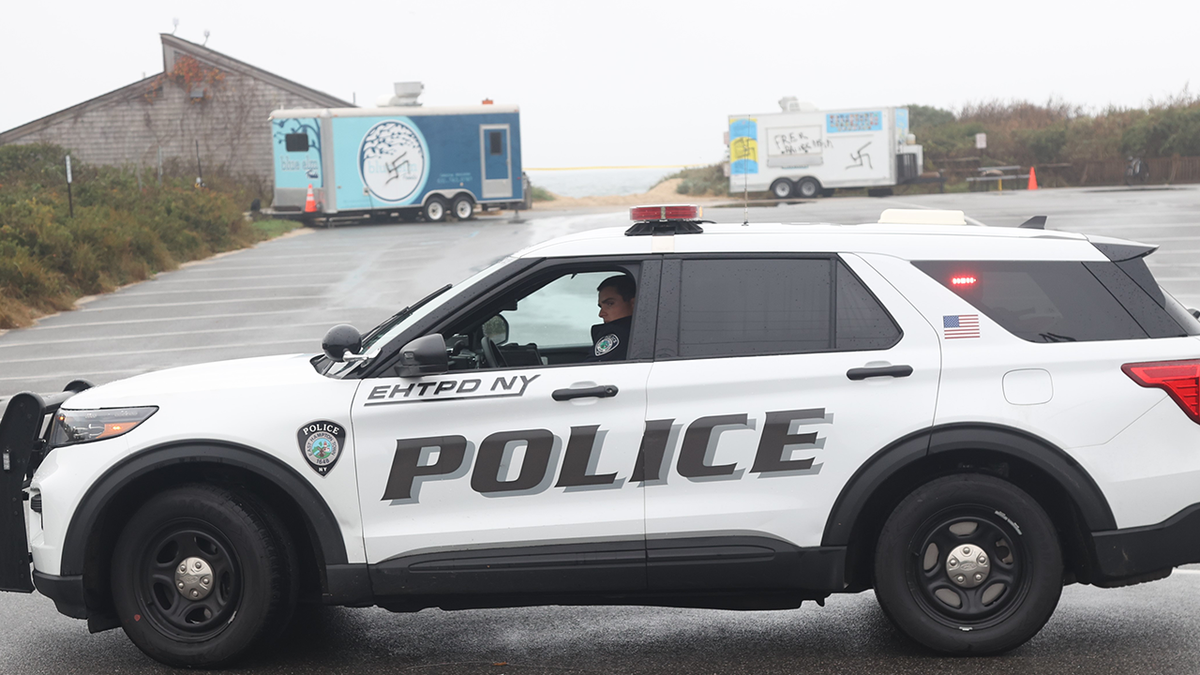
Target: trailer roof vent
[
  {"x": 792, "y": 104},
  {"x": 407, "y": 94}
]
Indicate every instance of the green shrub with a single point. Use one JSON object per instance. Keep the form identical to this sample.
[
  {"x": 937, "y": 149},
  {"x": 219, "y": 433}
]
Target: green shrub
[
  {"x": 119, "y": 234},
  {"x": 700, "y": 181}
]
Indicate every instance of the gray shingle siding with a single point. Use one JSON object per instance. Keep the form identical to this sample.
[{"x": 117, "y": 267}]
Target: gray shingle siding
[{"x": 128, "y": 126}]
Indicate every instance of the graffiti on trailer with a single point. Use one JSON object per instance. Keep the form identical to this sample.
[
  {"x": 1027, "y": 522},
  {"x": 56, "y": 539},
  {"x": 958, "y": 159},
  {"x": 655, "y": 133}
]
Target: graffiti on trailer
[
  {"x": 798, "y": 143},
  {"x": 858, "y": 157}
]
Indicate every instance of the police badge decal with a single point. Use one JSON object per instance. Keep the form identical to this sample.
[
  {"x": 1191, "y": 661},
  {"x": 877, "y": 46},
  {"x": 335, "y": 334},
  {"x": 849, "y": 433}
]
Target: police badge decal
[
  {"x": 321, "y": 444},
  {"x": 606, "y": 344}
]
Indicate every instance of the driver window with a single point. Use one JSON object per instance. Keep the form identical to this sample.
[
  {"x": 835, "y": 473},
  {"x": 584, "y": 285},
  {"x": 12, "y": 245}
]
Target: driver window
[{"x": 550, "y": 325}]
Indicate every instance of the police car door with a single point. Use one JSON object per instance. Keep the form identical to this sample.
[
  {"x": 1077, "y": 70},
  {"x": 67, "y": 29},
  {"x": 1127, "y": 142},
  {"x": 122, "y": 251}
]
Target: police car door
[
  {"x": 513, "y": 476},
  {"x": 775, "y": 378}
]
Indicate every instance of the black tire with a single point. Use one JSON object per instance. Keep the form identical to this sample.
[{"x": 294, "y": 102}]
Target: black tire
[
  {"x": 783, "y": 188},
  {"x": 808, "y": 188},
  {"x": 251, "y": 566},
  {"x": 463, "y": 207},
  {"x": 435, "y": 209},
  {"x": 917, "y": 550}
]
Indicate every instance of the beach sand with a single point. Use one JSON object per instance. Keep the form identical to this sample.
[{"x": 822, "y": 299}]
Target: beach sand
[{"x": 663, "y": 193}]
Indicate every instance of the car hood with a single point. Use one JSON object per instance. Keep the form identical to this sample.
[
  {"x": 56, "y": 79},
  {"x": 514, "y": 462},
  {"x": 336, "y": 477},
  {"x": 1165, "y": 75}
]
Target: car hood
[{"x": 239, "y": 374}]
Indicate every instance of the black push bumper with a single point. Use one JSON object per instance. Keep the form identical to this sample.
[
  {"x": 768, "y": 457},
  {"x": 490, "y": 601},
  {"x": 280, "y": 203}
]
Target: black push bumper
[
  {"x": 23, "y": 429},
  {"x": 1138, "y": 553}
]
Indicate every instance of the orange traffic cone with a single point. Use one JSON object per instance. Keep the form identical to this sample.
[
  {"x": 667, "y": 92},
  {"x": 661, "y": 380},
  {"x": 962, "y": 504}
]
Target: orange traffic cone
[
  {"x": 310, "y": 204},
  {"x": 1032, "y": 178}
]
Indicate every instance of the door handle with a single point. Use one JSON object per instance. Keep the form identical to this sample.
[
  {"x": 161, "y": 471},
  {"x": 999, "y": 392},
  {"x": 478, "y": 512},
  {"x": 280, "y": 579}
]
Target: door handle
[
  {"x": 881, "y": 371},
  {"x": 603, "y": 391}
]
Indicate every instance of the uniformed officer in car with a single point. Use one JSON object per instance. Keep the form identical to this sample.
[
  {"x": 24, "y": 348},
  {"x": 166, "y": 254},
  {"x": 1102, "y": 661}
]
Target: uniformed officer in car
[{"x": 615, "y": 296}]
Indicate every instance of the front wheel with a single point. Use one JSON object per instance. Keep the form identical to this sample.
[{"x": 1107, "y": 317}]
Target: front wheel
[
  {"x": 782, "y": 188},
  {"x": 435, "y": 210},
  {"x": 968, "y": 564},
  {"x": 201, "y": 576}
]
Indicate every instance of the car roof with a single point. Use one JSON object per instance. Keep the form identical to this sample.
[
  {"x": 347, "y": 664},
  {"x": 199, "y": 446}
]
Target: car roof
[{"x": 907, "y": 241}]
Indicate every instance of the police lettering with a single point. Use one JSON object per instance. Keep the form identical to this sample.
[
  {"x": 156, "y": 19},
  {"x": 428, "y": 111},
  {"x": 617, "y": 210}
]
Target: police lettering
[
  {"x": 490, "y": 475},
  {"x": 447, "y": 390},
  {"x": 321, "y": 426}
]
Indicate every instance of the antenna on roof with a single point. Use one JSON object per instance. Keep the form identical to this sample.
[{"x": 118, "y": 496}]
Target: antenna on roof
[
  {"x": 1034, "y": 223},
  {"x": 745, "y": 197},
  {"x": 174, "y": 25},
  {"x": 205, "y": 38}
]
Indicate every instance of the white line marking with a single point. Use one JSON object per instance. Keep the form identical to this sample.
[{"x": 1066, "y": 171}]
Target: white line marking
[
  {"x": 73, "y": 375},
  {"x": 168, "y": 350},
  {"x": 89, "y": 309},
  {"x": 143, "y": 336},
  {"x": 206, "y": 317},
  {"x": 222, "y": 290},
  {"x": 309, "y": 275}
]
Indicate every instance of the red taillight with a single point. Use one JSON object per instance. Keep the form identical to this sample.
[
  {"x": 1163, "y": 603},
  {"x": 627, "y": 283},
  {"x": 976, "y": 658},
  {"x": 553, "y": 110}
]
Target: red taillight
[
  {"x": 1180, "y": 379},
  {"x": 667, "y": 212},
  {"x": 963, "y": 281}
]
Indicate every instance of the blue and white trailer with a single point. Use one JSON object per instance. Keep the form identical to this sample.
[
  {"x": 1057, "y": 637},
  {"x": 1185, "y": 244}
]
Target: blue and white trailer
[{"x": 404, "y": 160}]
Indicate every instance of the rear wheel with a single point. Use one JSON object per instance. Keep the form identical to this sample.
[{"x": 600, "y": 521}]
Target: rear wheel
[
  {"x": 808, "y": 188},
  {"x": 464, "y": 207},
  {"x": 782, "y": 188},
  {"x": 435, "y": 210},
  {"x": 968, "y": 564},
  {"x": 202, "y": 575}
]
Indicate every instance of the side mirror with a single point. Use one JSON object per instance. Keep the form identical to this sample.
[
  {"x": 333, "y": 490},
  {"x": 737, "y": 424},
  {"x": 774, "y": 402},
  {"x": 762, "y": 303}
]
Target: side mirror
[
  {"x": 424, "y": 356},
  {"x": 341, "y": 339},
  {"x": 496, "y": 329},
  {"x": 1195, "y": 313}
]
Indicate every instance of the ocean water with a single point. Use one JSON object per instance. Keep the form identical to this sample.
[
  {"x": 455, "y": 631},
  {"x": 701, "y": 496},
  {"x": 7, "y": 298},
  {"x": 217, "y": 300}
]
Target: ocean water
[{"x": 598, "y": 182}]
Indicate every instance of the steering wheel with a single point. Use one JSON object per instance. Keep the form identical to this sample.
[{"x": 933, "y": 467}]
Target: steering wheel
[{"x": 491, "y": 355}]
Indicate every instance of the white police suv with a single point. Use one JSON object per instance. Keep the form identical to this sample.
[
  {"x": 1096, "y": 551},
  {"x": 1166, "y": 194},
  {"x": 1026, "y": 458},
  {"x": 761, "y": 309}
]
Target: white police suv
[{"x": 962, "y": 418}]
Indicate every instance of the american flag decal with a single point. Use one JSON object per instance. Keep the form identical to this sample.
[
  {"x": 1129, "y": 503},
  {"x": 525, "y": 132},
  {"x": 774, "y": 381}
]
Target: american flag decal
[{"x": 957, "y": 326}]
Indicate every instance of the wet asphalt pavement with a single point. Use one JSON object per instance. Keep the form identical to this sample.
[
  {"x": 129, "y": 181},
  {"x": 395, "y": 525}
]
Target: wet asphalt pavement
[{"x": 281, "y": 296}]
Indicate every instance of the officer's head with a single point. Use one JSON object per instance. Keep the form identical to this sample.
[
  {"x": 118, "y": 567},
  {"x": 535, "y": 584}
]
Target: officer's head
[{"x": 616, "y": 297}]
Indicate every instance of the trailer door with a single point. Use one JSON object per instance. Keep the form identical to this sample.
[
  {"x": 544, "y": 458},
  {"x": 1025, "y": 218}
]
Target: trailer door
[{"x": 497, "y": 163}]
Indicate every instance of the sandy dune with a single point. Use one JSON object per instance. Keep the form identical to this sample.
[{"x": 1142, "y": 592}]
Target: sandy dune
[{"x": 663, "y": 193}]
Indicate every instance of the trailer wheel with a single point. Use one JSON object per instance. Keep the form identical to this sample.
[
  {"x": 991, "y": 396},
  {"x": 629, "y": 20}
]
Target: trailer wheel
[
  {"x": 435, "y": 209},
  {"x": 783, "y": 188},
  {"x": 808, "y": 188},
  {"x": 464, "y": 207}
]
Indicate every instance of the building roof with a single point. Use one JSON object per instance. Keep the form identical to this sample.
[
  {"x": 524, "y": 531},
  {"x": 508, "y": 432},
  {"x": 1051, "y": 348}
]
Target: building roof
[{"x": 173, "y": 47}]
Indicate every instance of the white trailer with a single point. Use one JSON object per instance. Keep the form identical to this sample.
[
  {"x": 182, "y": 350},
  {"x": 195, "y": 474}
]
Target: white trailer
[{"x": 806, "y": 152}]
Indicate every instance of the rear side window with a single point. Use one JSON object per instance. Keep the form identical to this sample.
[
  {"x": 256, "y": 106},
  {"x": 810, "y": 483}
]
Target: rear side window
[
  {"x": 744, "y": 307},
  {"x": 1056, "y": 301}
]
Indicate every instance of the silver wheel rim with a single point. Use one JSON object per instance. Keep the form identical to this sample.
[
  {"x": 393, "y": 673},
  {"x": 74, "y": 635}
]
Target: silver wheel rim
[
  {"x": 463, "y": 209},
  {"x": 435, "y": 211}
]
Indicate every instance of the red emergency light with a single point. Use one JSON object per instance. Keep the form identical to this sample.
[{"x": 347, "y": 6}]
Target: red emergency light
[
  {"x": 665, "y": 212},
  {"x": 963, "y": 281}
]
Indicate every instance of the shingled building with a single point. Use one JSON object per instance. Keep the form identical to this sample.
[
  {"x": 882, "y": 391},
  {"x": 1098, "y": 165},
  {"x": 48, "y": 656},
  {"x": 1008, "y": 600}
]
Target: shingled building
[{"x": 201, "y": 99}]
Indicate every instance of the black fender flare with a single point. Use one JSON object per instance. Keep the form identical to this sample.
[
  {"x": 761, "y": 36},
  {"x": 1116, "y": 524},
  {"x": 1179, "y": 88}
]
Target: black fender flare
[
  {"x": 322, "y": 521},
  {"x": 1000, "y": 440}
]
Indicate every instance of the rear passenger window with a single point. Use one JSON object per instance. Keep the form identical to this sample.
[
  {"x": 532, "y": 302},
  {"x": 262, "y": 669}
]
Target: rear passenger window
[
  {"x": 1039, "y": 301},
  {"x": 746, "y": 307},
  {"x": 862, "y": 323}
]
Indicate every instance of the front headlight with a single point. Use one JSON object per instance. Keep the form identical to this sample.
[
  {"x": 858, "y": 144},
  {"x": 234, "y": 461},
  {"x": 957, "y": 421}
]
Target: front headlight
[{"x": 83, "y": 426}]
